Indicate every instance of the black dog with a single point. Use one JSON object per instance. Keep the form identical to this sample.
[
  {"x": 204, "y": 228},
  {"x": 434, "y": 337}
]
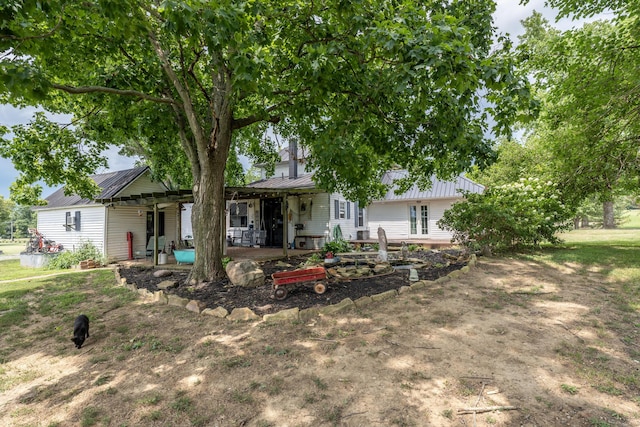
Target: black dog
[{"x": 80, "y": 330}]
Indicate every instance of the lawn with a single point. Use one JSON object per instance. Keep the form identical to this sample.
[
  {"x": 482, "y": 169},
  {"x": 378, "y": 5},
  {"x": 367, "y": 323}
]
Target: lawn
[
  {"x": 550, "y": 335},
  {"x": 12, "y": 248}
]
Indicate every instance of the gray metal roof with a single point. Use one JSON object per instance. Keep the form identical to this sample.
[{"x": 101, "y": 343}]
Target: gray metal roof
[
  {"x": 284, "y": 183},
  {"x": 111, "y": 184},
  {"x": 439, "y": 189}
]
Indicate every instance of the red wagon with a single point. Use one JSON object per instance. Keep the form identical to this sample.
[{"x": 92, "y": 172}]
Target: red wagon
[{"x": 308, "y": 276}]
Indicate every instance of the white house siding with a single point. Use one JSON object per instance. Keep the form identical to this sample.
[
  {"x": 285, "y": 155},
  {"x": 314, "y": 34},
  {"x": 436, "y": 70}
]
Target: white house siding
[
  {"x": 347, "y": 224},
  {"x": 393, "y": 217},
  {"x": 142, "y": 184},
  {"x": 314, "y": 218},
  {"x": 282, "y": 170},
  {"x": 126, "y": 218},
  {"x": 51, "y": 225}
]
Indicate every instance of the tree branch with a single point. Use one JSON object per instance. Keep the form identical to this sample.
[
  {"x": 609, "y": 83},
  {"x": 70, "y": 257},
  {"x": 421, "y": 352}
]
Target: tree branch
[
  {"x": 246, "y": 121},
  {"x": 109, "y": 90}
]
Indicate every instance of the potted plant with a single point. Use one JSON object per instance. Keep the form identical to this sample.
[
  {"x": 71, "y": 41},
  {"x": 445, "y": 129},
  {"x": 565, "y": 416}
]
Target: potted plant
[{"x": 329, "y": 258}]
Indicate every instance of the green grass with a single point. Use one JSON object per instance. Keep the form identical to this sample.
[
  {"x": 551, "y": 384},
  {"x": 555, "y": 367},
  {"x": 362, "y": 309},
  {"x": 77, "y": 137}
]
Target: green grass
[
  {"x": 12, "y": 270},
  {"x": 20, "y": 299},
  {"x": 632, "y": 219},
  {"x": 12, "y": 248}
]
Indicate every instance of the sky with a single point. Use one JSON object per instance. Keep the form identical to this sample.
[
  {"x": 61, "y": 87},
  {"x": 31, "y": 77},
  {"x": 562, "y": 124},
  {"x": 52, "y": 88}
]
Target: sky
[{"x": 507, "y": 19}]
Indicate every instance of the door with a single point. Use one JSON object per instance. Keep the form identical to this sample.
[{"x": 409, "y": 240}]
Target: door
[
  {"x": 150, "y": 225},
  {"x": 418, "y": 220},
  {"x": 272, "y": 221}
]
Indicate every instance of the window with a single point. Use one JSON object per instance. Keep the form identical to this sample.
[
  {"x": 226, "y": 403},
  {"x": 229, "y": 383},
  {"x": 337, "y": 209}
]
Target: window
[
  {"x": 360, "y": 216},
  {"x": 343, "y": 209},
  {"x": 413, "y": 220},
  {"x": 72, "y": 222},
  {"x": 238, "y": 214},
  {"x": 424, "y": 217},
  {"x": 420, "y": 222}
]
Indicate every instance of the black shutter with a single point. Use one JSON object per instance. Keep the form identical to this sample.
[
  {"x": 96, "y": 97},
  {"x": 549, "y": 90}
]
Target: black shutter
[
  {"x": 336, "y": 205},
  {"x": 67, "y": 221},
  {"x": 77, "y": 220},
  {"x": 356, "y": 213},
  {"x": 348, "y": 210}
]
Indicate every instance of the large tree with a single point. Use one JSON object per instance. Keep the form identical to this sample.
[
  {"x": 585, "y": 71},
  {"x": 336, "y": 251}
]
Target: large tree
[
  {"x": 589, "y": 122},
  {"x": 364, "y": 85}
]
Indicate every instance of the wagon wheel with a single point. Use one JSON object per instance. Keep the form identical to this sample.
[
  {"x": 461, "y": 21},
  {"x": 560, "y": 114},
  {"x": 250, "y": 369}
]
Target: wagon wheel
[
  {"x": 319, "y": 288},
  {"x": 280, "y": 293}
]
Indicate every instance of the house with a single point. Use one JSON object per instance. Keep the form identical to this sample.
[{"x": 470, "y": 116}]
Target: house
[
  {"x": 285, "y": 210},
  {"x": 119, "y": 231},
  {"x": 295, "y": 213}
]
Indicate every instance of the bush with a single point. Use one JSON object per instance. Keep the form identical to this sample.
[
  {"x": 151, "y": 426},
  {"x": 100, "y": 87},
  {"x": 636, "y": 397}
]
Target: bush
[
  {"x": 522, "y": 214},
  {"x": 336, "y": 246},
  {"x": 68, "y": 259}
]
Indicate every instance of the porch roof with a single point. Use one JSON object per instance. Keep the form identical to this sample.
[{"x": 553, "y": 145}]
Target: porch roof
[{"x": 186, "y": 196}]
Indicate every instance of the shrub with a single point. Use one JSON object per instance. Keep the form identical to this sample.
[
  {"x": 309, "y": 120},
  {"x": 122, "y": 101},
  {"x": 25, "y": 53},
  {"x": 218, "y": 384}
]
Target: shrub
[
  {"x": 336, "y": 246},
  {"x": 67, "y": 259},
  {"x": 522, "y": 214}
]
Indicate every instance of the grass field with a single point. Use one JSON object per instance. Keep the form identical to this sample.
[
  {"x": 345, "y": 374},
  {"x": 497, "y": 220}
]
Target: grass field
[
  {"x": 632, "y": 219},
  {"x": 147, "y": 364},
  {"x": 12, "y": 248}
]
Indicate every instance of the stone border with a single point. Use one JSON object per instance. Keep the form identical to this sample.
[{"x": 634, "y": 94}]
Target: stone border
[{"x": 292, "y": 314}]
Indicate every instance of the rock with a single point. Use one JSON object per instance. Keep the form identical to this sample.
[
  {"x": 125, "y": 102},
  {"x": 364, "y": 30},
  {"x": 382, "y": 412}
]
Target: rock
[
  {"x": 363, "y": 301},
  {"x": 167, "y": 284},
  {"x": 245, "y": 273},
  {"x": 382, "y": 268},
  {"x": 281, "y": 316},
  {"x": 363, "y": 271},
  {"x": 308, "y": 313},
  {"x": 242, "y": 314},
  {"x": 385, "y": 295},
  {"x": 160, "y": 297},
  {"x": 343, "y": 305},
  {"x": 382, "y": 239},
  {"x": 220, "y": 312},
  {"x": 162, "y": 273},
  {"x": 144, "y": 293},
  {"x": 283, "y": 264},
  {"x": 177, "y": 301},
  {"x": 404, "y": 289},
  {"x": 196, "y": 306},
  {"x": 419, "y": 285}
]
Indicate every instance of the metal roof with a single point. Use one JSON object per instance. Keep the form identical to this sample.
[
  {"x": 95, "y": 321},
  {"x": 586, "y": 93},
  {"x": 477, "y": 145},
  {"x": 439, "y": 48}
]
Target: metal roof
[
  {"x": 285, "y": 183},
  {"x": 439, "y": 189},
  {"x": 111, "y": 184}
]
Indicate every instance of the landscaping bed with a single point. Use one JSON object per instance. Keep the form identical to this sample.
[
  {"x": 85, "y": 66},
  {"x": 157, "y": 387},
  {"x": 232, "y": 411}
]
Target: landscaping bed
[{"x": 260, "y": 300}]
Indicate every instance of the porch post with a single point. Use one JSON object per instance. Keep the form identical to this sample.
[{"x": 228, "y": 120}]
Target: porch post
[
  {"x": 285, "y": 228},
  {"x": 155, "y": 234},
  {"x": 223, "y": 229}
]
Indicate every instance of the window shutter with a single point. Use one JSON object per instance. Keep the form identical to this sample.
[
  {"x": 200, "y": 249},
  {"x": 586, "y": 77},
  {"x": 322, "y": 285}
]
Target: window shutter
[
  {"x": 67, "y": 221},
  {"x": 336, "y": 205},
  {"x": 355, "y": 213},
  {"x": 348, "y": 210},
  {"x": 77, "y": 220}
]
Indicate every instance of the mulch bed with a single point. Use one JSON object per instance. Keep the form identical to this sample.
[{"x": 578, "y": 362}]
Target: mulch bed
[{"x": 261, "y": 300}]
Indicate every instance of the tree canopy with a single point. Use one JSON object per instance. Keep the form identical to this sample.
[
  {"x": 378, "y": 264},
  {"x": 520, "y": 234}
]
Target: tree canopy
[
  {"x": 365, "y": 86},
  {"x": 587, "y": 81}
]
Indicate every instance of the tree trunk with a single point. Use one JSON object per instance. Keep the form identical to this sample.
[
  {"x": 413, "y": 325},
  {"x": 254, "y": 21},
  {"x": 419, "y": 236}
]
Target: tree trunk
[
  {"x": 608, "y": 219},
  {"x": 208, "y": 212},
  {"x": 208, "y": 209}
]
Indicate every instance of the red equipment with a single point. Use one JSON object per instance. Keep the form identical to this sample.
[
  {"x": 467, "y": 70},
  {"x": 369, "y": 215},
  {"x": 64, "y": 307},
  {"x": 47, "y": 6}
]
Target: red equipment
[
  {"x": 305, "y": 276},
  {"x": 130, "y": 243}
]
